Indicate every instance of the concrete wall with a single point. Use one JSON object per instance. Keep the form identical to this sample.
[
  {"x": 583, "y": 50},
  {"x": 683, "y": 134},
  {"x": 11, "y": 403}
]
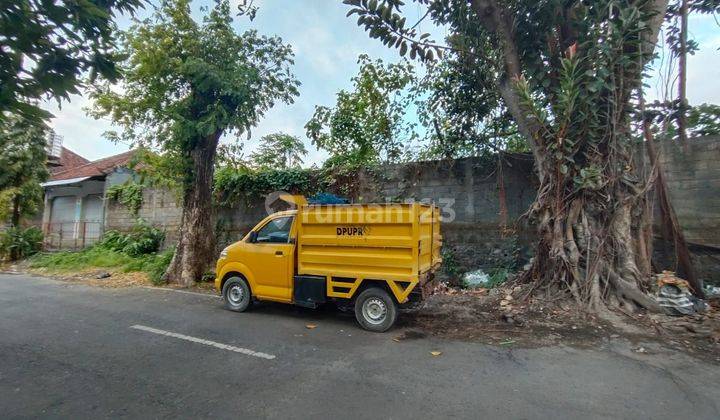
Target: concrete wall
[
  {"x": 468, "y": 190},
  {"x": 693, "y": 177},
  {"x": 160, "y": 208}
]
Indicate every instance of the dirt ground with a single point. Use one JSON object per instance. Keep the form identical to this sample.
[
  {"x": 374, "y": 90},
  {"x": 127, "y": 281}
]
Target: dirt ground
[
  {"x": 497, "y": 317},
  {"x": 100, "y": 277}
]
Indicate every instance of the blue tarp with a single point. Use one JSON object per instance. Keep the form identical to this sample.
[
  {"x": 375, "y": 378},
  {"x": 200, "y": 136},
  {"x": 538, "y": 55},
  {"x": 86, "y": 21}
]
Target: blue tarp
[{"x": 327, "y": 198}]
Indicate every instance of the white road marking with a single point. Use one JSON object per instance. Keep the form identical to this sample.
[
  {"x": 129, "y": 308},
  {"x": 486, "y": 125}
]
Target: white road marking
[
  {"x": 206, "y": 342},
  {"x": 167, "y": 289}
]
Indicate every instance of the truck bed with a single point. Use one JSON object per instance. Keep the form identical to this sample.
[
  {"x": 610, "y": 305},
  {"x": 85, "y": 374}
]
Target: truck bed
[{"x": 396, "y": 243}]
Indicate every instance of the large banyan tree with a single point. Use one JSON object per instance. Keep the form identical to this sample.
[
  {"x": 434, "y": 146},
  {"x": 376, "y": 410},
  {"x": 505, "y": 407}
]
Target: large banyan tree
[{"x": 569, "y": 75}]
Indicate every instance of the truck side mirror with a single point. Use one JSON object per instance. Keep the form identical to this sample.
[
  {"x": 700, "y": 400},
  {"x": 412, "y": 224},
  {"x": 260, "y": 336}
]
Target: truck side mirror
[{"x": 253, "y": 237}]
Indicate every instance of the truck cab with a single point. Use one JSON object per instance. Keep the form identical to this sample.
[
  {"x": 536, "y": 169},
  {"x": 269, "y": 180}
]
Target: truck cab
[
  {"x": 368, "y": 258},
  {"x": 265, "y": 258}
]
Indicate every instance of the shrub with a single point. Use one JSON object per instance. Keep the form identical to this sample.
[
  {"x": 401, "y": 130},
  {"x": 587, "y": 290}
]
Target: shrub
[
  {"x": 134, "y": 251},
  {"x": 157, "y": 267},
  {"x": 498, "y": 276},
  {"x": 99, "y": 257},
  {"x": 17, "y": 243},
  {"x": 153, "y": 264},
  {"x": 143, "y": 239},
  {"x": 449, "y": 264}
]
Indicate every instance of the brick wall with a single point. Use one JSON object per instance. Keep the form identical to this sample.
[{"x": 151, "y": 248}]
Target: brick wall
[{"x": 159, "y": 208}]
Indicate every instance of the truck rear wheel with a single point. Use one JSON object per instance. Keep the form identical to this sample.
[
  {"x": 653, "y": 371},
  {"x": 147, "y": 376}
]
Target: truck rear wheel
[
  {"x": 375, "y": 310},
  {"x": 236, "y": 294}
]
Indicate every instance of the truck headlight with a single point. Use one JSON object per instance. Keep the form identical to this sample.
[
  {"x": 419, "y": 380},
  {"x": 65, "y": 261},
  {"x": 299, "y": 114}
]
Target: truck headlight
[{"x": 223, "y": 253}]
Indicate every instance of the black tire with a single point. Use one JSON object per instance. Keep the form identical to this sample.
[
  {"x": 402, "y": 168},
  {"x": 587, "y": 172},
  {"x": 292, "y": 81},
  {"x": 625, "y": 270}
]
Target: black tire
[
  {"x": 375, "y": 310},
  {"x": 236, "y": 294}
]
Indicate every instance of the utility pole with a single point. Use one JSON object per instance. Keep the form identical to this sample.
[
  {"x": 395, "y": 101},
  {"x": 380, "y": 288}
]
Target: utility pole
[{"x": 682, "y": 73}]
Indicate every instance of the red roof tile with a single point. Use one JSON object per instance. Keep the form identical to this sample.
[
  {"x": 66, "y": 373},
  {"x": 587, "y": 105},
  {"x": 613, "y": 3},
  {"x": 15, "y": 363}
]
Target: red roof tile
[
  {"x": 98, "y": 167},
  {"x": 68, "y": 160}
]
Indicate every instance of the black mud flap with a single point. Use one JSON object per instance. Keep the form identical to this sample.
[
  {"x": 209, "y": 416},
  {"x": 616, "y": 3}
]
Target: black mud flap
[{"x": 309, "y": 291}]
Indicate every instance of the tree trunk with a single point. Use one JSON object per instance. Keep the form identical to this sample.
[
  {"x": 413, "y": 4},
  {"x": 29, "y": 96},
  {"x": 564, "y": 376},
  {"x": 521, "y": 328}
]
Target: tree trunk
[
  {"x": 682, "y": 74},
  {"x": 15, "y": 219},
  {"x": 196, "y": 246},
  {"x": 591, "y": 247}
]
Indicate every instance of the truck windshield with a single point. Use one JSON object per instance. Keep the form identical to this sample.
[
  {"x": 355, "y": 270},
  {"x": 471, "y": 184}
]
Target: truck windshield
[{"x": 275, "y": 231}]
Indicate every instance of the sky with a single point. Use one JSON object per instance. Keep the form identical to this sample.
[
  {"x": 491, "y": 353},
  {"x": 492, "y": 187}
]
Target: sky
[{"x": 326, "y": 44}]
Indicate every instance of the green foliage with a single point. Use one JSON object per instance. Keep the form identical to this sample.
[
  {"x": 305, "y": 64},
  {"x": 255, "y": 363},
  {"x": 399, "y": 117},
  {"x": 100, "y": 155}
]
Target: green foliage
[
  {"x": 672, "y": 16},
  {"x": 154, "y": 265},
  {"x": 17, "y": 243},
  {"x": 129, "y": 194},
  {"x": 368, "y": 123},
  {"x": 143, "y": 239},
  {"x": 497, "y": 276},
  {"x": 574, "y": 65},
  {"x": 458, "y": 101},
  {"x": 163, "y": 171},
  {"x": 235, "y": 185},
  {"x": 279, "y": 151},
  {"x": 23, "y": 162},
  {"x": 49, "y": 45},
  {"x": 702, "y": 120},
  {"x": 382, "y": 20},
  {"x": 186, "y": 83},
  {"x": 208, "y": 276},
  {"x": 78, "y": 260},
  {"x": 462, "y": 109},
  {"x": 449, "y": 263},
  {"x": 157, "y": 266}
]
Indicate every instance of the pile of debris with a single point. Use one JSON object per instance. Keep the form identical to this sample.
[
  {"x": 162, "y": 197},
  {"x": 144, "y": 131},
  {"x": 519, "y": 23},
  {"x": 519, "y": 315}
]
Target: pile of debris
[{"x": 674, "y": 295}]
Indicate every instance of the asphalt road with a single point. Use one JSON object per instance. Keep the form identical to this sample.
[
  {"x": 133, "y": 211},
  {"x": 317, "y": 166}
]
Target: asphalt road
[{"x": 79, "y": 352}]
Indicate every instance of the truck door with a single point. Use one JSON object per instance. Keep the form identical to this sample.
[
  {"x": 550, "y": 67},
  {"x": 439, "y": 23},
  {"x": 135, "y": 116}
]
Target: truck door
[{"x": 271, "y": 259}]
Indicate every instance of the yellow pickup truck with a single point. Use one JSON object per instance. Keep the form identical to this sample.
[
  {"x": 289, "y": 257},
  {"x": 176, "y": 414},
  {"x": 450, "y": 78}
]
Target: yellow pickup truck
[{"x": 371, "y": 257}]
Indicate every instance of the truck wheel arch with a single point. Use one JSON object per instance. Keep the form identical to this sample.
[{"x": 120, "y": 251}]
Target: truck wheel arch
[
  {"x": 367, "y": 283},
  {"x": 237, "y": 270},
  {"x": 230, "y": 274}
]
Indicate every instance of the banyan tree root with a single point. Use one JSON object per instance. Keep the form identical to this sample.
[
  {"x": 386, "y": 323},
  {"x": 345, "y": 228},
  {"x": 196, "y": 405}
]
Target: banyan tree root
[{"x": 591, "y": 254}]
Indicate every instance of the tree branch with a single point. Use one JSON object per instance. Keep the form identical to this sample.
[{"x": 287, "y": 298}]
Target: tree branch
[{"x": 494, "y": 20}]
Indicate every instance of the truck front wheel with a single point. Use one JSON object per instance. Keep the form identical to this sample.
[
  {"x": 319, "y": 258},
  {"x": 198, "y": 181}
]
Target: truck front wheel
[
  {"x": 375, "y": 310},
  {"x": 236, "y": 294}
]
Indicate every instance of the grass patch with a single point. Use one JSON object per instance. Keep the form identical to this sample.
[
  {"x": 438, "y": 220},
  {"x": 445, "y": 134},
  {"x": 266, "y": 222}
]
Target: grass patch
[{"x": 153, "y": 264}]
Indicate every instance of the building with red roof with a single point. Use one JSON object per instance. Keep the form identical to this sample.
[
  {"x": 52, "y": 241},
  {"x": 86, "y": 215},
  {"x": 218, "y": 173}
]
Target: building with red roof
[{"x": 75, "y": 205}]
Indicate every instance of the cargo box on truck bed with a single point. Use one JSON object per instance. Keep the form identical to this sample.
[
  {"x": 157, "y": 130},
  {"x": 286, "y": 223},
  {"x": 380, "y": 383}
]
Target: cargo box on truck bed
[{"x": 396, "y": 243}]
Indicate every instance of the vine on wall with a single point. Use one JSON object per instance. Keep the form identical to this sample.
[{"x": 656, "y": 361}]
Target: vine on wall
[
  {"x": 129, "y": 194},
  {"x": 233, "y": 185}
]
